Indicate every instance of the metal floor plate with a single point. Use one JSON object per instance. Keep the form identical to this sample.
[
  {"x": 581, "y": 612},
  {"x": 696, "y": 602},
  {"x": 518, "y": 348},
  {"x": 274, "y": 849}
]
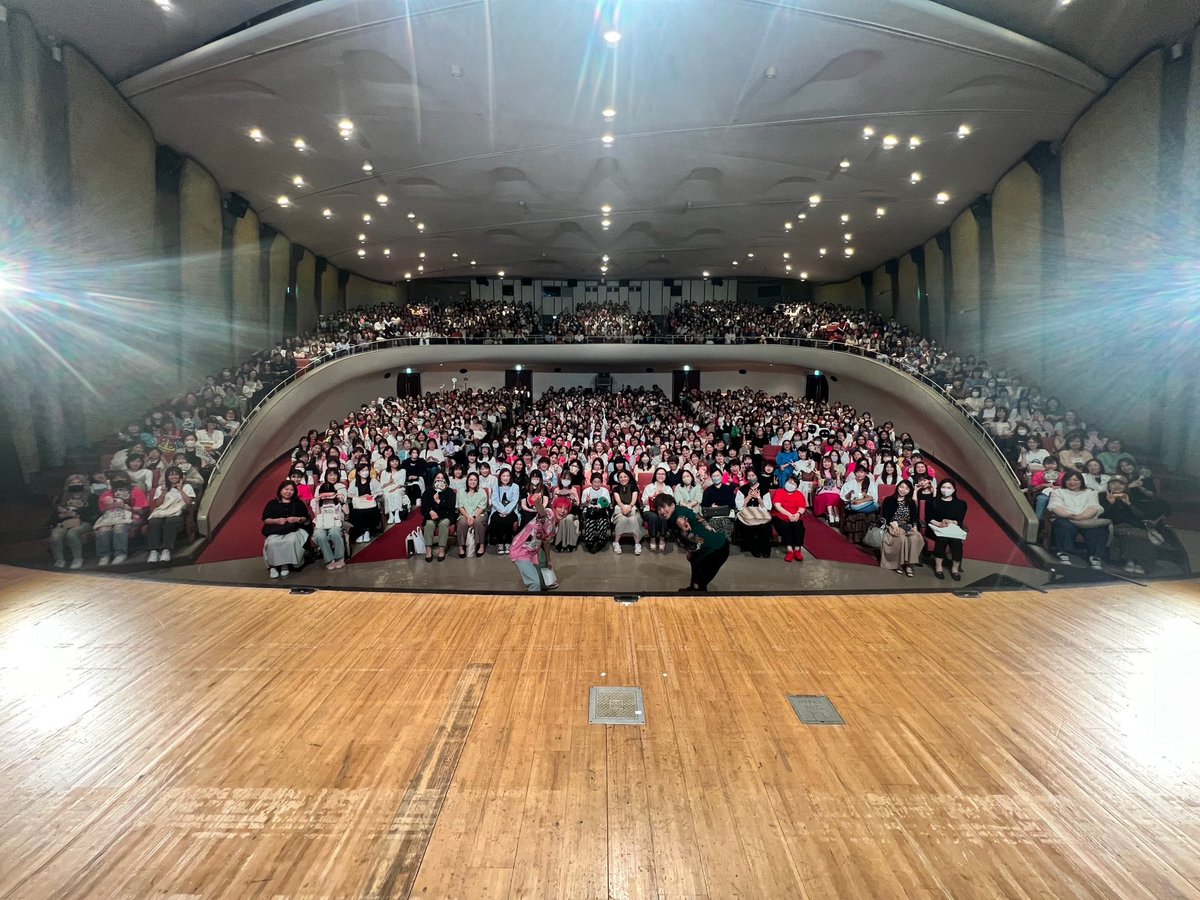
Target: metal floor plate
[
  {"x": 616, "y": 706},
  {"x": 815, "y": 709}
]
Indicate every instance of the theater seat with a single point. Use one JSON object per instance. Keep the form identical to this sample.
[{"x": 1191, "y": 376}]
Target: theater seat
[
  {"x": 643, "y": 479},
  {"x": 770, "y": 451}
]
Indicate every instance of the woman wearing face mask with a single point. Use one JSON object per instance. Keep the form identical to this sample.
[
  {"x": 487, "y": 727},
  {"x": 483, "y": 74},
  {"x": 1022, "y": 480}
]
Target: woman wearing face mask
[
  {"x": 944, "y": 510},
  {"x": 787, "y": 511},
  {"x": 364, "y": 506},
  {"x": 283, "y": 520},
  {"x": 439, "y": 507},
  {"x": 172, "y": 500},
  {"x": 121, "y": 509},
  {"x": 76, "y": 510}
]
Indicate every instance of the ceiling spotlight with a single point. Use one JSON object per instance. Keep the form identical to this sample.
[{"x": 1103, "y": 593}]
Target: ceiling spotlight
[
  {"x": 298, "y": 181},
  {"x": 770, "y": 72},
  {"x": 454, "y": 255},
  {"x": 367, "y": 167},
  {"x": 942, "y": 198},
  {"x": 501, "y": 273},
  {"x": 804, "y": 276},
  {"x": 914, "y": 142},
  {"x": 361, "y": 253},
  {"x": 606, "y": 209},
  {"x": 382, "y": 199},
  {"x": 849, "y": 251},
  {"x": 612, "y": 36},
  {"x": 844, "y": 164},
  {"x": 607, "y": 140},
  {"x": 604, "y": 268},
  {"x": 705, "y": 274},
  {"x": 734, "y": 263},
  {"x": 472, "y": 262},
  {"x": 346, "y": 135},
  {"x": 868, "y": 133},
  {"x": 164, "y": 5},
  {"x": 257, "y": 136},
  {"x": 362, "y": 238},
  {"x": 604, "y": 258},
  {"x": 823, "y": 251},
  {"x": 814, "y": 200},
  {"x": 421, "y": 255},
  {"x": 845, "y": 218},
  {"x": 786, "y": 255},
  {"x": 345, "y": 125},
  {"x": 420, "y": 226},
  {"x": 788, "y": 267},
  {"x": 847, "y": 237},
  {"x": 890, "y": 141},
  {"x": 327, "y": 213},
  {"x": 284, "y": 201},
  {"x": 408, "y": 275},
  {"x": 609, "y": 113},
  {"x": 299, "y": 144},
  {"x": 412, "y": 215},
  {"x": 963, "y": 131},
  {"x": 420, "y": 268},
  {"x": 787, "y": 226},
  {"x": 880, "y": 212},
  {"x": 387, "y": 251},
  {"x": 802, "y": 216},
  {"x": 750, "y": 256},
  {"x": 367, "y": 218},
  {"x": 604, "y": 223},
  {"x": 914, "y": 177}
]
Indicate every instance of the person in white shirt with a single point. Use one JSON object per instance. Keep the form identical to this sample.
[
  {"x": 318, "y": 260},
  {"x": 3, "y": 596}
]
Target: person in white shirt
[
  {"x": 170, "y": 504},
  {"x": 1077, "y": 511},
  {"x": 656, "y": 525}
]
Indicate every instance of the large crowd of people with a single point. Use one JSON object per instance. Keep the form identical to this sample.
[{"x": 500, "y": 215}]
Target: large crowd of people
[{"x": 1045, "y": 441}]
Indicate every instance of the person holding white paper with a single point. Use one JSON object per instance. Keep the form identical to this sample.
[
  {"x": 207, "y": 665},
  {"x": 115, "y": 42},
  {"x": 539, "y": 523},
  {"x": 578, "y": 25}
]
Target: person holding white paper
[{"x": 945, "y": 514}]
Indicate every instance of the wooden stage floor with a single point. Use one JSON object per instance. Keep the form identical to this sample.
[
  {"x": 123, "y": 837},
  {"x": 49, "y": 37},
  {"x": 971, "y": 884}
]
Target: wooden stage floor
[{"x": 182, "y": 741}]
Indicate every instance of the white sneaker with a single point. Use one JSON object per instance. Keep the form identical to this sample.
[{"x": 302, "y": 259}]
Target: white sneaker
[
  {"x": 637, "y": 549},
  {"x": 118, "y": 559},
  {"x": 103, "y": 561},
  {"x": 165, "y": 556},
  {"x": 1134, "y": 569},
  {"x": 153, "y": 557},
  {"x": 60, "y": 564},
  {"x": 284, "y": 572},
  {"x": 274, "y": 572},
  {"x": 1095, "y": 562},
  {"x": 77, "y": 564},
  {"x": 1064, "y": 558},
  {"x": 617, "y": 547}
]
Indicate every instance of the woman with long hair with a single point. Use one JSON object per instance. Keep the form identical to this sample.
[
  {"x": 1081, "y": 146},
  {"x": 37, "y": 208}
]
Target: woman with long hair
[
  {"x": 902, "y": 541},
  {"x": 284, "y": 520}
]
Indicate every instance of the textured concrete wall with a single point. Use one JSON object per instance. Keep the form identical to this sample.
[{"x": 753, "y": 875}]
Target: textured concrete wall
[
  {"x": 962, "y": 312},
  {"x": 363, "y": 292},
  {"x": 278, "y": 267},
  {"x": 249, "y": 320},
  {"x": 880, "y": 299},
  {"x": 1015, "y": 326},
  {"x": 306, "y": 293},
  {"x": 844, "y": 293},
  {"x": 908, "y": 310},
  {"x": 935, "y": 288},
  {"x": 329, "y": 291},
  {"x": 207, "y": 308}
]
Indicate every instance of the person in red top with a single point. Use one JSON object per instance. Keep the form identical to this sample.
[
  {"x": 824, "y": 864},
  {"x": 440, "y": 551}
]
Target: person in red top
[{"x": 787, "y": 509}]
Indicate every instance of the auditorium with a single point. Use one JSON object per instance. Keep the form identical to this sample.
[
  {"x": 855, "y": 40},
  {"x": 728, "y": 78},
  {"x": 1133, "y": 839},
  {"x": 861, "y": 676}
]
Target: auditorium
[{"x": 636, "y": 449}]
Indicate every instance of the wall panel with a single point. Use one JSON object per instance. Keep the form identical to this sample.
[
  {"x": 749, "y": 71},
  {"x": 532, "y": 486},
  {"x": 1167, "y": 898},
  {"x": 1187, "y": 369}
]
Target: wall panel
[
  {"x": 249, "y": 323},
  {"x": 278, "y": 266},
  {"x": 306, "y": 293},
  {"x": 843, "y": 293},
  {"x": 1016, "y": 322},
  {"x": 880, "y": 300},
  {"x": 935, "y": 287},
  {"x": 206, "y": 307},
  {"x": 962, "y": 312},
  {"x": 364, "y": 292},
  {"x": 908, "y": 311},
  {"x": 329, "y": 291}
]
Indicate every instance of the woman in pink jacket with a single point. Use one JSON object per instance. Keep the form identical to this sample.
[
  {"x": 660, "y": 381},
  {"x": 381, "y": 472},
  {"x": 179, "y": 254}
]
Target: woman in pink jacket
[{"x": 529, "y": 548}]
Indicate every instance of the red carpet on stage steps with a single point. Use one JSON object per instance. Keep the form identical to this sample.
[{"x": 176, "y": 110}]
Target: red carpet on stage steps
[
  {"x": 392, "y": 544},
  {"x": 828, "y": 545},
  {"x": 240, "y": 535}
]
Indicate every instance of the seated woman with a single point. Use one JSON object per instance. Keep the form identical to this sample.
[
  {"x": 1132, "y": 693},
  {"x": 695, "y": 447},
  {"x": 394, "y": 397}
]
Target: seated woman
[
  {"x": 284, "y": 520},
  {"x": 902, "y": 541},
  {"x": 596, "y": 514},
  {"x": 626, "y": 518},
  {"x": 787, "y": 510},
  {"x": 687, "y": 493},
  {"x": 753, "y": 504},
  {"x": 364, "y": 505},
  {"x": 565, "y": 504},
  {"x": 1131, "y": 544},
  {"x": 533, "y": 492},
  {"x": 1044, "y": 482},
  {"x": 860, "y": 494},
  {"x": 472, "y": 516},
  {"x": 503, "y": 521},
  {"x": 1074, "y": 456},
  {"x": 1032, "y": 457},
  {"x": 1142, "y": 489},
  {"x": 1077, "y": 511},
  {"x": 122, "y": 508},
  {"x": 785, "y": 463},
  {"x": 828, "y": 498},
  {"x": 329, "y": 516},
  {"x": 946, "y": 509},
  {"x": 656, "y": 525},
  {"x": 76, "y": 510},
  {"x": 439, "y": 506},
  {"x": 393, "y": 486},
  {"x": 717, "y": 503},
  {"x": 1094, "y": 477},
  {"x": 172, "y": 500},
  {"x": 304, "y": 486}
]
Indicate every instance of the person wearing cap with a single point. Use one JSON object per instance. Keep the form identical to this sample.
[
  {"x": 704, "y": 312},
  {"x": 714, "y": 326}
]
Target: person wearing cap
[{"x": 75, "y": 511}]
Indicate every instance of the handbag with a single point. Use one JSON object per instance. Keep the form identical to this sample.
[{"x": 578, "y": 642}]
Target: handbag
[
  {"x": 752, "y": 516},
  {"x": 1153, "y": 535},
  {"x": 549, "y": 579},
  {"x": 873, "y": 537}
]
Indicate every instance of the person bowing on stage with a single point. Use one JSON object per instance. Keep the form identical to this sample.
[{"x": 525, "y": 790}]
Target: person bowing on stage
[{"x": 707, "y": 549}]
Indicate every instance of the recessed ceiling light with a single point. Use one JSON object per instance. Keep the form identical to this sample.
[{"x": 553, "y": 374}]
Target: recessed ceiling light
[
  {"x": 804, "y": 276},
  {"x": 770, "y": 72},
  {"x": 942, "y": 198},
  {"x": 890, "y": 141},
  {"x": 361, "y": 253},
  {"x": 868, "y": 133},
  {"x": 880, "y": 212},
  {"x": 1062, "y": 3},
  {"x": 786, "y": 255},
  {"x": 823, "y": 251},
  {"x": 346, "y": 135},
  {"x": 750, "y": 256},
  {"x": 845, "y": 218},
  {"x": 367, "y": 167},
  {"x": 164, "y": 5},
  {"x": 735, "y": 262},
  {"x": 345, "y": 125},
  {"x": 412, "y": 215},
  {"x": 367, "y": 218},
  {"x": 327, "y": 213},
  {"x": 964, "y": 131},
  {"x": 705, "y": 274},
  {"x": 607, "y": 140},
  {"x": 609, "y": 113},
  {"x": 604, "y": 268},
  {"x": 454, "y": 255},
  {"x": 814, "y": 200},
  {"x": 612, "y": 36},
  {"x": 604, "y": 258},
  {"x": 914, "y": 177},
  {"x": 501, "y": 273},
  {"x": 257, "y": 136},
  {"x": 420, "y": 226},
  {"x": 606, "y": 209},
  {"x": 802, "y": 216},
  {"x": 847, "y": 237},
  {"x": 298, "y": 181},
  {"x": 914, "y": 142},
  {"x": 849, "y": 251},
  {"x": 387, "y": 251},
  {"x": 844, "y": 164},
  {"x": 787, "y": 226},
  {"x": 382, "y": 199},
  {"x": 420, "y": 268},
  {"x": 604, "y": 223},
  {"x": 408, "y": 275},
  {"x": 421, "y": 255},
  {"x": 362, "y": 238},
  {"x": 299, "y": 144},
  {"x": 456, "y": 71},
  {"x": 284, "y": 201},
  {"x": 788, "y": 267},
  {"x": 472, "y": 262}
]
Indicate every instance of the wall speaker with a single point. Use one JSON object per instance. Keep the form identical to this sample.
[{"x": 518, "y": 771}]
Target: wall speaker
[
  {"x": 481, "y": 281},
  {"x": 718, "y": 282},
  {"x": 237, "y": 206},
  {"x": 571, "y": 282},
  {"x": 526, "y": 282}
]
